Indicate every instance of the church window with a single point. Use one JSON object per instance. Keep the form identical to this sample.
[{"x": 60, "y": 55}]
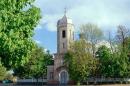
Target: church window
[
  {"x": 63, "y": 45},
  {"x": 62, "y": 62},
  {"x": 73, "y": 35},
  {"x": 51, "y": 75},
  {"x": 70, "y": 33},
  {"x": 63, "y": 34}
]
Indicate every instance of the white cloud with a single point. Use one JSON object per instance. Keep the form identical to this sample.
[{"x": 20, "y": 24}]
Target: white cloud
[
  {"x": 50, "y": 22},
  {"x": 105, "y": 13}
]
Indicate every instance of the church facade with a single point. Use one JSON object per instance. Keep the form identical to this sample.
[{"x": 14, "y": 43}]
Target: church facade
[{"x": 65, "y": 36}]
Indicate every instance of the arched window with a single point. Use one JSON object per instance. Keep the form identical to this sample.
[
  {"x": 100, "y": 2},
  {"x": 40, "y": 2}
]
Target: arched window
[
  {"x": 63, "y": 45},
  {"x": 73, "y": 35},
  {"x": 63, "y": 34},
  {"x": 51, "y": 75}
]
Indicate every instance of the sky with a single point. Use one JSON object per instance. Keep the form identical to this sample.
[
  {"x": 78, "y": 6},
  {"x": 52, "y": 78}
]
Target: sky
[{"x": 107, "y": 14}]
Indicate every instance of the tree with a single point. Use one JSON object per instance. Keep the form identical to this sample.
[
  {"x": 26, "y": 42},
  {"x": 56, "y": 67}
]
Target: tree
[
  {"x": 122, "y": 34},
  {"x": 123, "y": 51},
  {"x": 2, "y": 72},
  {"x": 105, "y": 60},
  {"x": 91, "y": 33},
  {"x": 39, "y": 62},
  {"x": 37, "y": 65},
  {"x": 79, "y": 61},
  {"x": 114, "y": 65},
  {"x": 18, "y": 18}
]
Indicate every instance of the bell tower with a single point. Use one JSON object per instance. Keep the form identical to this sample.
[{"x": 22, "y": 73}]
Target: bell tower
[{"x": 65, "y": 34}]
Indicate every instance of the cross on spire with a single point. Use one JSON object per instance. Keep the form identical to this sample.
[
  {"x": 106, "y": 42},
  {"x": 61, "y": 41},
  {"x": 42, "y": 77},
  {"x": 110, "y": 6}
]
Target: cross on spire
[{"x": 65, "y": 11}]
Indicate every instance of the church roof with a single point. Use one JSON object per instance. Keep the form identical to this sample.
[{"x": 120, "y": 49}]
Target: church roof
[{"x": 64, "y": 21}]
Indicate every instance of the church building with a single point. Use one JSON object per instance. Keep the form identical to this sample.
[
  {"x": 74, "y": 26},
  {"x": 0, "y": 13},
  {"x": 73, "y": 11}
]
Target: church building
[{"x": 65, "y": 36}]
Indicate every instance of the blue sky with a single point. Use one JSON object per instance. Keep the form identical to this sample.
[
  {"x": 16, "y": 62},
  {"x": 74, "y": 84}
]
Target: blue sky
[{"x": 107, "y": 14}]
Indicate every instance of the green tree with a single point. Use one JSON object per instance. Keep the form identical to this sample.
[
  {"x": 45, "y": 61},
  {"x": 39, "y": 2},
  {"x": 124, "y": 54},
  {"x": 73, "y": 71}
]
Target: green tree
[
  {"x": 105, "y": 60},
  {"x": 3, "y": 72},
  {"x": 114, "y": 65},
  {"x": 39, "y": 62},
  {"x": 18, "y": 18},
  {"x": 37, "y": 65},
  {"x": 123, "y": 42},
  {"x": 122, "y": 62},
  {"x": 79, "y": 61}
]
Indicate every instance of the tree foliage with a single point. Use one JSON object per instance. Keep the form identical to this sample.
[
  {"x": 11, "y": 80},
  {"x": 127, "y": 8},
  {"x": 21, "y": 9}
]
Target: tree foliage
[
  {"x": 79, "y": 61},
  {"x": 3, "y": 72},
  {"x": 123, "y": 51},
  {"x": 105, "y": 61},
  {"x": 37, "y": 65},
  {"x": 111, "y": 62},
  {"x": 18, "y": 18},
  {"x": 114, "y": 65}
]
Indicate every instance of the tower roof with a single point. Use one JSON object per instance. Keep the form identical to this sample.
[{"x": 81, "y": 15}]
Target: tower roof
[{"x": 64, "y": 21}]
